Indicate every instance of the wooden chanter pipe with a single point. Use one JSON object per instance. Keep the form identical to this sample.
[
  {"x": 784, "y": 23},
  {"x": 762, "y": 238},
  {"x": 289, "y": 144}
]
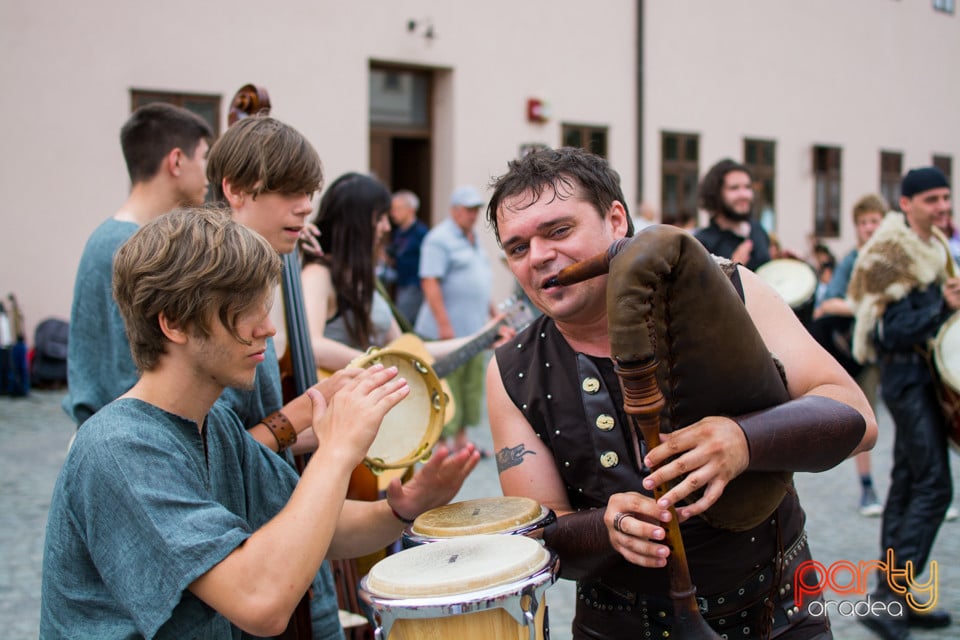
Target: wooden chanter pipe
[{"x": 642, "y": 402}]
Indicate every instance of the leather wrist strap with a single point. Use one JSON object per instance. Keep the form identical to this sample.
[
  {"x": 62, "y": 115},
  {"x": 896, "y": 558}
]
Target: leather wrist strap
[
  {"x": 281, "y": 428},
  {"x": 582, "y": 543},
  {"x": 811, "y": 433}
]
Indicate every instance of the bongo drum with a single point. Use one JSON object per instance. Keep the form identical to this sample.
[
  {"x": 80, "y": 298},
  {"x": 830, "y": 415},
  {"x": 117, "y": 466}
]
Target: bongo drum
[
  {"x": 409, "y": 430},
  {"x": 795, "y": 281},
  {"x": 513, "y": 515},
  {"x": 483, "y": 587}
]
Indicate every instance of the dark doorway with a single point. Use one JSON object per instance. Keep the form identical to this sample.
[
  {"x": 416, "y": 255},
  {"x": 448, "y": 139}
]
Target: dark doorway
[
  {"x": 410, "y": 169},
  {"x": 400, "y": 130}
]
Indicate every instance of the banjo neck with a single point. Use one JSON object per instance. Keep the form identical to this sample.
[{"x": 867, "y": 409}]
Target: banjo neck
[{"x": 456, "y": 359}]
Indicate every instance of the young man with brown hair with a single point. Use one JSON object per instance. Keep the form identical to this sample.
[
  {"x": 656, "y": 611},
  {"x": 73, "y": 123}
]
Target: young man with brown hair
[
  {"x": 267, "y": 172},
  {"x": 167, "y": 520},
  {"x": 165, "y": 149},
  {"x": 833, "y": 324}
]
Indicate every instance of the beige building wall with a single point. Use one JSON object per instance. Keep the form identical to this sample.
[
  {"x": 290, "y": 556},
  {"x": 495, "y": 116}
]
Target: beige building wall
[
  {"x": 863, "y": 75},
  {"x": 68, "y": 68}
]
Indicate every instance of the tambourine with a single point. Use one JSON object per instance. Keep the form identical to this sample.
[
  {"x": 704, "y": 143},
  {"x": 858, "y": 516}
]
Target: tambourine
[
  {"x": 409, "y": 430},
  {"x": 794, "y": 280}
]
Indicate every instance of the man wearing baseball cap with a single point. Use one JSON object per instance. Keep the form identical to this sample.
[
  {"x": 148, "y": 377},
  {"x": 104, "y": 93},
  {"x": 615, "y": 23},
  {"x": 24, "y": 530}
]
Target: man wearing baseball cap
[
  {"x": 902, "y": 290},
  {"x": 456, "y": 279}
]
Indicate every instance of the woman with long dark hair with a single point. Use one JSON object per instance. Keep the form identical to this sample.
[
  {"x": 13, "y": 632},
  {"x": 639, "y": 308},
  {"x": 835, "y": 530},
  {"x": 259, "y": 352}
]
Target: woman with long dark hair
[{"x": 345, "y": 313}]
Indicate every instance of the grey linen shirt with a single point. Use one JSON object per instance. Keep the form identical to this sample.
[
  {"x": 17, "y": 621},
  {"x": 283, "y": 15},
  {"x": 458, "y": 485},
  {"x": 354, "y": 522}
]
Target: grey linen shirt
[{"x": 143, "y": 506}]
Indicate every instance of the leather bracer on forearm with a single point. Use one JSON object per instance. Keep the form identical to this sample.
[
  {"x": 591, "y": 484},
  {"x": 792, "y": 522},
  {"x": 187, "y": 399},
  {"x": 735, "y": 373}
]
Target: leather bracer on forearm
[
  {"x": 582, "y": 543},
  {"x": 811, "y": 433}
]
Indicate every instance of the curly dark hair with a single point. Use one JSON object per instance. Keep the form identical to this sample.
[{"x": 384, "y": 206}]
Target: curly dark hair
[
  {"x": 710, "y": 194},
  {"x": 561, "y": 170}
]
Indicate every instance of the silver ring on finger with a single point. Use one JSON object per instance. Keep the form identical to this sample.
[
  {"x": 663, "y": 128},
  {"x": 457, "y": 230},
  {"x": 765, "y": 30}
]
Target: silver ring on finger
[{"x": 618, "y": 519}]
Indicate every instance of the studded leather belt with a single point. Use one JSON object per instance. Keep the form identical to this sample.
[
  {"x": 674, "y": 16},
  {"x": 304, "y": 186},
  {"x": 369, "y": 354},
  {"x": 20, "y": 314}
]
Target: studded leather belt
[{"x": 735, "y": 613}]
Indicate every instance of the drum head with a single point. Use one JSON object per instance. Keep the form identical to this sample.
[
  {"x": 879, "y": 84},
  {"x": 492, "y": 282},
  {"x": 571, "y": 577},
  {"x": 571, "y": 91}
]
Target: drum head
[
  {"x": 483, "y": 515},
  {"x": 794, "y": 280},
  {"x": 409, "y": 430},
  {"x": 456, "y": 566},
  {"x": 946, "y": 352}
]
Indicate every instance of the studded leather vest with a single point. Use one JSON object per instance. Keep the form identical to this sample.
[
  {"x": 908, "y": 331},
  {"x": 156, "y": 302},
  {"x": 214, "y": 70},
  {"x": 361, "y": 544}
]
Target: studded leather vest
[{"x": 574, "y": 404}]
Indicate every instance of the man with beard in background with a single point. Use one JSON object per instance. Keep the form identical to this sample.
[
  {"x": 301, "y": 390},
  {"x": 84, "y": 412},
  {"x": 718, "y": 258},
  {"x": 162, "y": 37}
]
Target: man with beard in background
[{"x": 726, "y": 193}]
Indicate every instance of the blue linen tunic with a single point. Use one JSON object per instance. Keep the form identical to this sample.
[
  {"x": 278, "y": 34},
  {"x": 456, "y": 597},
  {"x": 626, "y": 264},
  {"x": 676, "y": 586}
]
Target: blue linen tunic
[
  {"x": 101, "y": 369},
  {"x": 99, "y": 365},
  {"x": 143, "y": 506}
]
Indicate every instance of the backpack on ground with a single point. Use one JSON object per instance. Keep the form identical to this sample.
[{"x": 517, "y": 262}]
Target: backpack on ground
[{"x": 48, "y": 369}]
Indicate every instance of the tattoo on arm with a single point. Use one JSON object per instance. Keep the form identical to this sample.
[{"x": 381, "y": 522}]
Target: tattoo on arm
[{"x": 511, "y": 457}]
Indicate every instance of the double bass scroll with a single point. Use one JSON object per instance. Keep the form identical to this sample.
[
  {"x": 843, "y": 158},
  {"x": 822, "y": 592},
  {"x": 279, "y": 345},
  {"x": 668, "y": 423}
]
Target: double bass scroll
[{"x": 249, "y": 100}]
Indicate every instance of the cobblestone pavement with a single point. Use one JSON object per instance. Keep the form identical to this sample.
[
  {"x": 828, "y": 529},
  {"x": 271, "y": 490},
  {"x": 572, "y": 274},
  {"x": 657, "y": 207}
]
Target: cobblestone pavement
[{"x": 34, "y": 433}]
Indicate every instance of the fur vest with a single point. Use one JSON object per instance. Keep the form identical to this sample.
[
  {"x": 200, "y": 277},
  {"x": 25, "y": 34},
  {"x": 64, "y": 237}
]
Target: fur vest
[{"x": 890, "y": 265}]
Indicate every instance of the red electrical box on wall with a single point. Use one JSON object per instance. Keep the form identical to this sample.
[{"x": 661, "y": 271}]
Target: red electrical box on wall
[{"x": 537, "y": 110}]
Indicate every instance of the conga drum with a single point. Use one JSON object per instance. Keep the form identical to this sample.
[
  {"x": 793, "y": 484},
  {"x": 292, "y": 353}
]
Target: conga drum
[
  {"x": 483, "y": 587},
  {"x": 407, "y": 434},
  {"x": 946, "y": 359},
  {"x": 513, "y": 515},
  {"x": 795, "y": 281}
]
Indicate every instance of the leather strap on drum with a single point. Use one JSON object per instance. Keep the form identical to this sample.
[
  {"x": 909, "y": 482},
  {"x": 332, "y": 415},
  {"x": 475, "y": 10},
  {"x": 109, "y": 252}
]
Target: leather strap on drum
[
  {"x": 582, "y": 543},
  {"x": 811, "y": 433}
]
